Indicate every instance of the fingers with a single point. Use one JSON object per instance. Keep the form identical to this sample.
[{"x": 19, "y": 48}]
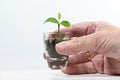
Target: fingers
[
  {"x": 80, "y": 57},
  {"x": 98, "y": 62},
  {"x": 81, "y": 29},
  {"x": 79, "y": 68},
  {"x": 89, "y": 43}
]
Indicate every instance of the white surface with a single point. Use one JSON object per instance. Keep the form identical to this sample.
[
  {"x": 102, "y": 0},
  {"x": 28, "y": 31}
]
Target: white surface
[
  {"x": 21, "y": 26},
  {"x": 50, "y": 75}
]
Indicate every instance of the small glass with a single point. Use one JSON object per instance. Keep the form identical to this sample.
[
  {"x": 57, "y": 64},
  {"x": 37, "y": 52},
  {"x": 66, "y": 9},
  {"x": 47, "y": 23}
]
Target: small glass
[{"x": 55, "y": 60}]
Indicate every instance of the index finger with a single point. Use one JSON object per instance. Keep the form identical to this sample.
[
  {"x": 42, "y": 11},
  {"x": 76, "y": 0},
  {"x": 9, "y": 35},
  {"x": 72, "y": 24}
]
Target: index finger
[{"x": 81, "y": 29}]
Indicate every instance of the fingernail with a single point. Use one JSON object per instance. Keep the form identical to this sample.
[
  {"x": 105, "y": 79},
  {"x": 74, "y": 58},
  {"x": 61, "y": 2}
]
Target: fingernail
[{"x": 63, "y": 69}]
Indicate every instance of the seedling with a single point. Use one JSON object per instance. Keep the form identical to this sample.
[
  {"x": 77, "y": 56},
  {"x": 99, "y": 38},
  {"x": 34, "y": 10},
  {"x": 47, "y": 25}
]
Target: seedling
[
  {"x": 58, "y": 22},
  {"x": 54, "y": 59}
]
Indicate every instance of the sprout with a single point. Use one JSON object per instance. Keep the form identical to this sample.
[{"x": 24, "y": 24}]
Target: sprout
[{"x": 58, "y": 22}]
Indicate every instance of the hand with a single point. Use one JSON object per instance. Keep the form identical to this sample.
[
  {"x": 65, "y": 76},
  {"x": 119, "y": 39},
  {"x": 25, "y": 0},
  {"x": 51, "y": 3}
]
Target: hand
[{"x": 101, "y": 39}]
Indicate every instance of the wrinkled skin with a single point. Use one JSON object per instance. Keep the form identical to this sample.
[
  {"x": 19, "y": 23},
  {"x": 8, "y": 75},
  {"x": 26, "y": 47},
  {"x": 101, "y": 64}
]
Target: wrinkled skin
[{"x": 101, "y": 39}]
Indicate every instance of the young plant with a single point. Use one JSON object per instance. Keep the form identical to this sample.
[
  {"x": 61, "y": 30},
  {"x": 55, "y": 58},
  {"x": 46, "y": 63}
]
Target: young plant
[
  {"x": 55, "y": 60},
  {"x": 58, "y": 22}
]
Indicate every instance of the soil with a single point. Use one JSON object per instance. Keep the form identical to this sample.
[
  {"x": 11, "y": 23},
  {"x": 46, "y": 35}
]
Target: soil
[
  {"x": 50, "y": 47},
  {"x": 55, "y": 60}
]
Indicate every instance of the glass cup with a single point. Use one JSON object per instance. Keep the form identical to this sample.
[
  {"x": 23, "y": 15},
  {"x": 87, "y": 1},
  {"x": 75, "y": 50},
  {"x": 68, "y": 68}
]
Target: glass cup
[{"x": 54, "y": 59}]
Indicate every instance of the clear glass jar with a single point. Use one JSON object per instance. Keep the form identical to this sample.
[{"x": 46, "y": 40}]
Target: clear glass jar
[{"x": 54, "y": 59}]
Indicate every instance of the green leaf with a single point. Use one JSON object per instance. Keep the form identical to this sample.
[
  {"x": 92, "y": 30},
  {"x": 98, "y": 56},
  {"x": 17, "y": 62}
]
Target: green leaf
[
  {"x": 51, "y": 19},
  {"x": 65, "y": 23},
  {"x": 59, "y": 16}
]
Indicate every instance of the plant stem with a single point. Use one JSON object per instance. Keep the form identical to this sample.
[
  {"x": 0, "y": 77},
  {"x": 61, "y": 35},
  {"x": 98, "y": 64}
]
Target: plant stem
[{"x": 58, "y": 28}]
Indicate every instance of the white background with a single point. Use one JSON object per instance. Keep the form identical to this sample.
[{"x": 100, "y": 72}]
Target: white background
[{"x": 21, "y": 26}]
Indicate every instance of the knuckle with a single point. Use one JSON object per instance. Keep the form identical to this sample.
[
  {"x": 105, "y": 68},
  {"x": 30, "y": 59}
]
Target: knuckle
[
  {"x": 97, "y": 41},
  {"x": 76, "y": 42}
]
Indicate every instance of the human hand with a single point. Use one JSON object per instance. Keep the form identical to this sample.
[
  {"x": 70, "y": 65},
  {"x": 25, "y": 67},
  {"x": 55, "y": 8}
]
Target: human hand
[{"x": 101, "y": 39}]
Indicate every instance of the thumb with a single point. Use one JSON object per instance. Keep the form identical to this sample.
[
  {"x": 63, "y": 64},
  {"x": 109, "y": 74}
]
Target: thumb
[{"x": 78, "y": 44}]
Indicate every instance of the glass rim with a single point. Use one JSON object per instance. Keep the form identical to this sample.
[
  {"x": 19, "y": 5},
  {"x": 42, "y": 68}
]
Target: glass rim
[{"x": 56, "y": 33}]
